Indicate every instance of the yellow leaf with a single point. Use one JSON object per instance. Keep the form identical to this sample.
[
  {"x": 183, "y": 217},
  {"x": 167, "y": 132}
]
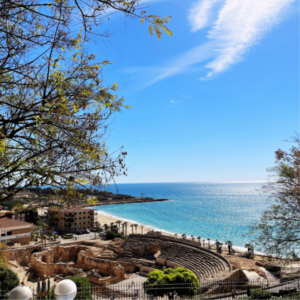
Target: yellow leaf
[
  {"x": 142, "y": 20},
  {"x": 158, "y": 32},
  {"x": 167, "y": 30},
  {"x": 151, "y": 30}
]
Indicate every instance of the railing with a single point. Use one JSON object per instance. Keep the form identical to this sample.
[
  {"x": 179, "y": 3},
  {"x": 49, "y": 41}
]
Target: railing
[{"x": 132, "y": 290}]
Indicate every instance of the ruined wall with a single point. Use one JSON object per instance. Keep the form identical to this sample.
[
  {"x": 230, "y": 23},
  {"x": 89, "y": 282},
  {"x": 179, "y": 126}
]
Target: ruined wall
[
  {"x": 42, "y": 263},
  {"x": 106, "y": 267},
  {"x": 145, "y": 270}
]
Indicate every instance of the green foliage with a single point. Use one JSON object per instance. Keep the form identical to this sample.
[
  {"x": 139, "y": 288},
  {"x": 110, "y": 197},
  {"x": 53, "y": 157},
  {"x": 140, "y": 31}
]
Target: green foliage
[
  {"x": 260, "y": 294},
  {"x": 8, "y": 279},
  {"x": 54, "y": 103},
  {"x": 277, "y": 231},
  {"x": 170, "y": 282},
  {"x": 83, "y": 287},
  {"x": 111, "y": 234}
]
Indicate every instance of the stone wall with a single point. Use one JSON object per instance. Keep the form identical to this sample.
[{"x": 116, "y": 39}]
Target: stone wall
[
  {"x": 145, "y": 270},
  {"x": 105, "y": 267},
  {"x": 42, "y": 263}
]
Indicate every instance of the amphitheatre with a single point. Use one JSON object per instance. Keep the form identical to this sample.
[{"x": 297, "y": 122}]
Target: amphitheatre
[{"x": 110, "y": 262}]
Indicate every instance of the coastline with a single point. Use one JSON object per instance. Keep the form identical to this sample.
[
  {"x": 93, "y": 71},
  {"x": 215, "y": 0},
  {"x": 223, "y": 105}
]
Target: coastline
[{"x": 106, "y": 218}]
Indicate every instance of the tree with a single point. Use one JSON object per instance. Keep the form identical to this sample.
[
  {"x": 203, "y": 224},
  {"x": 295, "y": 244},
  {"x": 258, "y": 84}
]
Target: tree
[
  {"x": 135, "y": 226},
  {"x": 8, "y": 279},
  {"x": 54, "y": 106},
  {"x": 3, "y": 254},
  {"x": 171, "y": 282},
  {"x": 131, "y": 228},
  {"x": 183, "y": 236},
  {"x": 199, "y": 239},
  {"x": 125, "y": 224},
  {"x": 119, "y": 223},
  {"x": 208, "y": 243},
  {"x": 229, "y": 243},
  {"x": 176, "y": 235},
  {"x": 203, "y": 243},
  {"x": 98, "y": 226},
  {"x": 277, "y": 231}
]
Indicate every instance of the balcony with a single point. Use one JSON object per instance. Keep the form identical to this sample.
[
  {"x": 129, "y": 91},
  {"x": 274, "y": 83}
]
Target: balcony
[{"x": 68, "y": 219}]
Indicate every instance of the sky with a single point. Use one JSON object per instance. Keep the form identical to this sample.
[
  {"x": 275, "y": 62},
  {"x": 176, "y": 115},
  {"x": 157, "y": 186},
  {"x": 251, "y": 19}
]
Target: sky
[{"x": 212, "y": 102}]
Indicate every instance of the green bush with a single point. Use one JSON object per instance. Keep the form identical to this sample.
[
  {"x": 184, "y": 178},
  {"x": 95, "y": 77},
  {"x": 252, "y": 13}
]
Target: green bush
[
  {"x": 260, "y": 294},
  {"x": 111, "y": 234},
  {"x": 170, "y": 282},
  {"x": 84, "y": 288},
  {"x": 8, "y": 280}
]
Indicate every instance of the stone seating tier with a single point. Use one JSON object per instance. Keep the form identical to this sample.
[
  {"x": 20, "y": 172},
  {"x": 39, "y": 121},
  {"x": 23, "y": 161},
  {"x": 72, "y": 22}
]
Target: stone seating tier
[{"x": 204, "y": 263}]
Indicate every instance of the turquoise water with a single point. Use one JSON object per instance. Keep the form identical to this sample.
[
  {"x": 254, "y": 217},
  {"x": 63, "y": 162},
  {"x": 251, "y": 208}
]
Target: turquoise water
[{"x": 216, "y": 211}]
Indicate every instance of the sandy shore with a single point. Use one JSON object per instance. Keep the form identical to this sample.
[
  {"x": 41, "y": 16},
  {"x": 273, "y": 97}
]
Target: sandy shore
[{"x": 105, "y": 219}]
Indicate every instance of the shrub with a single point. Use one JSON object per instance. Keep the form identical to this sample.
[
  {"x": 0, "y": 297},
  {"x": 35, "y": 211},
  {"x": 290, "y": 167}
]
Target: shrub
[
  {"x": 170, "y": 282},
  {"x": 260, "y": 294},
  {"x": 84, "y": 290},
  {"x": 111, "y": 234},
  {"x": 8, "y": 279}
]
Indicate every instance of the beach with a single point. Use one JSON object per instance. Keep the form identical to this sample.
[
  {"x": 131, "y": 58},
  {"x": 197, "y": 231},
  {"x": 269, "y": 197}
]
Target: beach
[{"x": 107, "y": 219}]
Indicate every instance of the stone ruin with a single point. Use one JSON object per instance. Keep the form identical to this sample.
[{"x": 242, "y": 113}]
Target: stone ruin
[
  {"x": 110, "y": 263},
  {"x": 95, "y": 263}
]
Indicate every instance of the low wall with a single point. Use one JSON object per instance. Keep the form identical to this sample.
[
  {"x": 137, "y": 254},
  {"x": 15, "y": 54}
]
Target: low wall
[
  {"x": 106, "y": 267},
  {"x": 145, "y": 270}
]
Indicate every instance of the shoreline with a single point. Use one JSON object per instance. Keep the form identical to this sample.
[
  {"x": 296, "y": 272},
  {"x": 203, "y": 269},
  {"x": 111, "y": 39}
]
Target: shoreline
[{"x": 107, "y": 218}]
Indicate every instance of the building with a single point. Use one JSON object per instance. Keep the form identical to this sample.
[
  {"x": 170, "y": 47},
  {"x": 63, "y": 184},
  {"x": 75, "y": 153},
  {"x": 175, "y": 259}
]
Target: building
[
  {"x": 72, "y": 219},
  {"x": 14, "y": 231},
  {"x": 25, "y": 215}
]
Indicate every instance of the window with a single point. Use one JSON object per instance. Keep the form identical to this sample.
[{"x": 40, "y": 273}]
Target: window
[
  {"x": 88, "y": 222},
  {"x": 9, "y": 232},
  {"x": 80, "y": 213},
  {"x": 3, "y": 233},
  {"x": 79, "y": 218},
  {"x": 80, "y": 223},
  {"x": 84, "y": 217}
]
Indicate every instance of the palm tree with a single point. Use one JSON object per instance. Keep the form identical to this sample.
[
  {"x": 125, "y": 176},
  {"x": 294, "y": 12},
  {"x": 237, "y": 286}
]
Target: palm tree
[
  {"x": 248, "y": 246},
  {"x": 125, "y": 225},
  {"x": 183, "y": 236},
  {"x": 111, "y": 225},
  {"x": 131, "y": 228},
  {"x": 119, "y": 223},
  {"x": 229, "y": 243},
  {"x": 135, "y": 225},
  {"x": 176, "y": 234},
  {"x": 142, "y": 228},
  {"x": 105, "y": 226},
  {"x": 208, "y": 243},
  {"x": 192, "y": 237},
  {"x": 199, "y": 239},
  {"x": 203, "y": 243}
]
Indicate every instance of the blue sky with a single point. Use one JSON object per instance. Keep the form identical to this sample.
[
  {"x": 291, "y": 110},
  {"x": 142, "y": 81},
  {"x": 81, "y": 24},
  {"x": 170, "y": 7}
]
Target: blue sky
[{"x": 214, "y": 101}]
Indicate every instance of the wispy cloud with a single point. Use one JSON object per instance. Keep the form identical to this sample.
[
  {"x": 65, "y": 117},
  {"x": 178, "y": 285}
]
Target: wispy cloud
[
  {"x": 239, "y": 25},
  {"x": 178, "y": 65},
  {"x": 200, "y": 14},
  {"x": 234, "y": 27}
]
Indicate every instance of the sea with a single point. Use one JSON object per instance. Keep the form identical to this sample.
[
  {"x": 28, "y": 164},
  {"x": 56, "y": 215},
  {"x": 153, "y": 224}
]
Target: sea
[{"x": 222, "y": 211}]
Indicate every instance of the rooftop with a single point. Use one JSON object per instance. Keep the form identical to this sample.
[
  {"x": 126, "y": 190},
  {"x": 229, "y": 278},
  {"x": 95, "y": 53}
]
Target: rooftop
[
  {"x": 5, "y": 223},
  {"x": 71, "y": 209}
]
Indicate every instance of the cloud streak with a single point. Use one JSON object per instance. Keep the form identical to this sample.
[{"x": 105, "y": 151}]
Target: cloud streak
[
  {"x": 200, "y": 14},
  {"x": 239, "y": 26}
]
